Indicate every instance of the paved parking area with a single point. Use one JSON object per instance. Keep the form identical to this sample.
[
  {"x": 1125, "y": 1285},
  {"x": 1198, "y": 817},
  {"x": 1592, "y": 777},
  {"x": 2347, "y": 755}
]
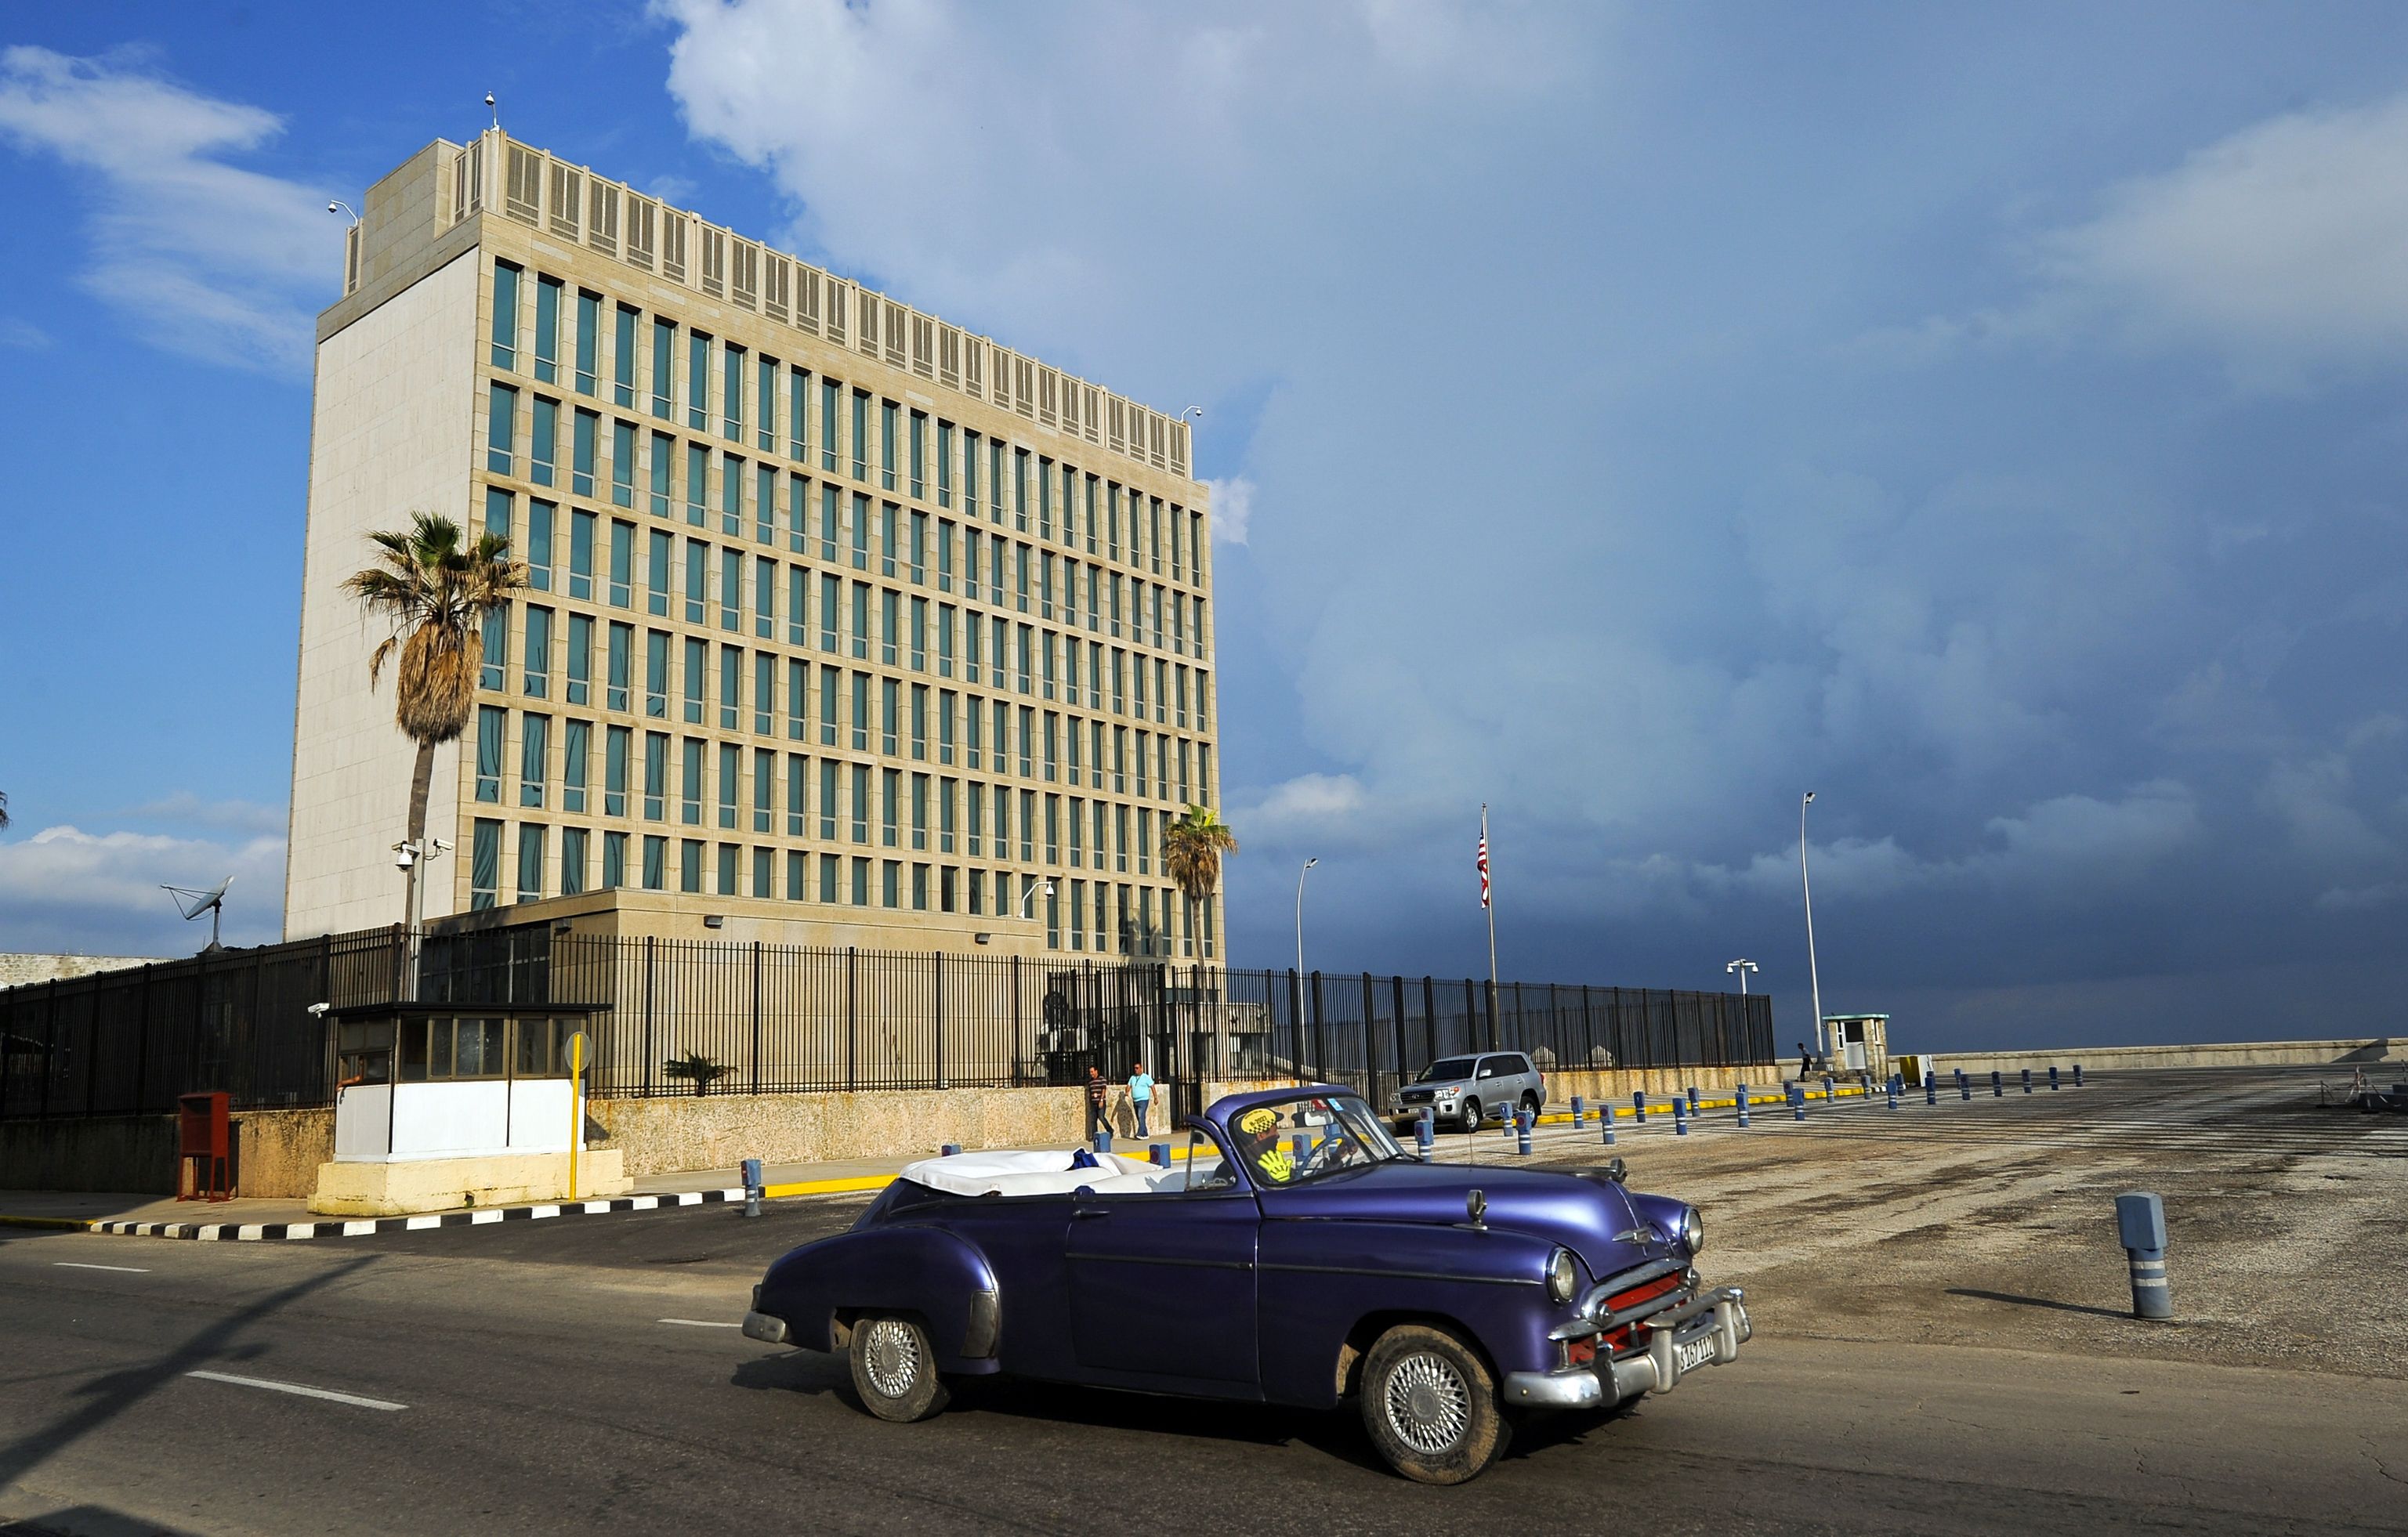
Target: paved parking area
[{"x": 1940, "y": 1349}]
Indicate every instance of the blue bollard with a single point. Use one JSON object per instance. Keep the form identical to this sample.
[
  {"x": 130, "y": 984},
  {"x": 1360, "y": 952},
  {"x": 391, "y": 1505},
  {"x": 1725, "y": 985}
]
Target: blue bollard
[
  {"x": 1998, "y": 1084},
  {"x": 1160, "y": 1153},
  {"x": 1827, "y": 1096},
  {"x": 752, "y": 1182},
  {"x": 1638, "y": 1106},
  {"x": 2027, "y": 1080},
  {"x": 1680, "y": 1117},
  {"x": 950, "y": 1149},
  {"x": 1609, "y": 1130},
  {"x": 1742, "y": 1107},
  {"x": 1893, "y": 1090},
  {"x": 2052, "y": 1077},
  {"x": 1299, "y": 1147},
  {"x": 2077, "y": 1075},
  {"x": 2141, "y": 1227},
  {"x": 1522, "y": 1132},
  {"x": 1693, "y": 1102},
  {"x": 1580, "y": 1107},
  {"x": 1798, "y": 1102},
  {"x": 1103, "y": 1142},
  {"x": 1931, "y": 1087},
  {"x": 1422, "y": 1137},
  {"x": 1964, "y": 1086}
]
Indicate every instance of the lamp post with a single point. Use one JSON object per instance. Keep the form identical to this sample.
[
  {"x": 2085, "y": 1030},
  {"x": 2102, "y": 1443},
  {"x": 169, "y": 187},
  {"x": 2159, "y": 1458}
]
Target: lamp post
[
  {"x": 1030, "y": 895},
  {"x": 1742, "y": 966},
  {"x": 1300, "y": 919},
  {"x": 1813, "y": 978}
]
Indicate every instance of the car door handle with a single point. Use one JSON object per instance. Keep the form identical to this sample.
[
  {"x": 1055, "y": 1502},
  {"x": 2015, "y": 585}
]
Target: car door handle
[{"x": 1085, "y": 1212}]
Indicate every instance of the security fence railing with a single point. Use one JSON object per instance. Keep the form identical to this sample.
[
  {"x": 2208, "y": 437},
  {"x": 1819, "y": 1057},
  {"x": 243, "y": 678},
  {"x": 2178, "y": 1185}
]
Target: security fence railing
[{"x": 780, "y": 1019}]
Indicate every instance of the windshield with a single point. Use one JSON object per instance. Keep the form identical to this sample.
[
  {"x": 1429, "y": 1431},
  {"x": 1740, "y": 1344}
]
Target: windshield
[
  {"x": 1288, "y": 1142},
  {"x": 1452, "y": 1067}
]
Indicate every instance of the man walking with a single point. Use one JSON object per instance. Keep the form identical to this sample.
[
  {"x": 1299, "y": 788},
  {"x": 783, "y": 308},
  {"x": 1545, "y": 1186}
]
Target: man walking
[
  {"x": 1141, "y": 1092},
  {"x": 1096, "y": 1089}
]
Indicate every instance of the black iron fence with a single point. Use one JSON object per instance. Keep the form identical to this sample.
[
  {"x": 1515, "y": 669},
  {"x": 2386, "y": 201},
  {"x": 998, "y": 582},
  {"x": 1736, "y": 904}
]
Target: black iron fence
[{"x": 775, "y": 1018}]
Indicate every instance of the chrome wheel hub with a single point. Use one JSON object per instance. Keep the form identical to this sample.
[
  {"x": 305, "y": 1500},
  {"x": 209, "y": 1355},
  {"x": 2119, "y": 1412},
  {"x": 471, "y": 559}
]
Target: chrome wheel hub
[
  {"x": 1430, "y": 1405},
  {"x": 891, "y": 1358}
]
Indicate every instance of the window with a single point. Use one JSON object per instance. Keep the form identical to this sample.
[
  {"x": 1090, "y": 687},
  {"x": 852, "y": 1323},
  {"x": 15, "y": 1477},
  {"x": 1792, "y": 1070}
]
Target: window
[
  {"x": 697, "y": 671},
  {"x": 860, "y": 802},
  {"x": 765, "y": 597},
  {"x": 730, "y": 770},
  {"x": 827, "y": 809},
  {"x": 689, "y": 783},
  {"x": 799, "y": 589},
  {"x": 731, "y": 495},
  {"x": 622, "y": 642},
  {"x": 889, "y": 706},
  {"x": 829, "y": 514},
  {"x": 656, "y": 675},
  {"x": 664, "y": 453},
  {"x": 690, "y": 864},
  {"x": 501, "y": 421},
  {"x": 588, "y": 343},
  {"x": 614, "y": 859},
  {"x": 890, "y": 785},
  {"x": 798, "y": 493},
  {"x": 764, "y": 506},
  {"x": 698, "y": 580},
  {"x": 731, "y": 387},
  {"x": 622, "y": 464},
  {"x": 798, "y": 407},
  {"x": 697, "y": 381},
  {"x": 489, "y": 722},
  {"x": 623, "y": 392},
  {"x": 538, "y": 682},
  {"x": 697, "y": 483},
  {"x": 861, "y": 436},
  {"x": 534, "y": 734},
  {"x": 829, "y": 393},
  {"x": 970, "y": 474},
  {"x": 505, "y": 316},
  {"x": 622, "y": 563},
  {"x": 572, "y": 860},
  {"x": 573, "y": 738},
  {"x": 861, "y": 712},
  {"x": 731, "y": 589},
  {"x": 656, "y": 575},
  {"x": 539, "y": 544},
  {"x": 861, "y": 883},
  {"x": 484, "y": 865},
  {"x": 581, "y": 659},
  {"x": 580, "y": 554},
  {"x": 731, "y": 686},
  {"x": 656, "y": 779},
  {"x": 543, "y": 441},
  {"x": 828, "y": 707},
  {"x": 887, "y": 411},
  {"x": 765, "y": 406},
  {"x": 614, "y": 774},
  {"x": 797, "y": 705},
  {"x": 944, "y": 471},
  {"x": 887, "y": 512},
  {"x": 798, "y": 787},
  {"x": 547, "y": 329},
  {"x": 797, "y": 862},
  {"x": 581, "y": 449},
  {"x": 655, "y": 862}
]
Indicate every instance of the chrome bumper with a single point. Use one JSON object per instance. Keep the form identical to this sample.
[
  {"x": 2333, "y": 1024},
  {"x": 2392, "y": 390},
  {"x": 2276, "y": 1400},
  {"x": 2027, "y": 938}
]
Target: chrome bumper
[
  {"x": 1720, "y": 1315},
  {"x": 768, "y": 1330}
]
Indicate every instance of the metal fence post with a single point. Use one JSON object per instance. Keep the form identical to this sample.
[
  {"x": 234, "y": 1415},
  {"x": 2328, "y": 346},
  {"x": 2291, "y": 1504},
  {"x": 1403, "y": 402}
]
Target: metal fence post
[
  {"x": 1398, "y": 987},
  {"x": 649, "y": 943},
  {"x": 756, "y": 1016},
  {"x": 50, "y": 1045},
  {"x": 852, "y": 1010},
  {"x": 937, "y": 1011},
  {"x": 1430, "y": 1017},
  {"x": 1320, "y": 1041}
]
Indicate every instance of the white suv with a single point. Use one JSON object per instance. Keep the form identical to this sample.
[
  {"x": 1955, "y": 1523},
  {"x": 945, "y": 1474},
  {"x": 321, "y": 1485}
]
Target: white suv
[{"x": 1467, "y": 1091}]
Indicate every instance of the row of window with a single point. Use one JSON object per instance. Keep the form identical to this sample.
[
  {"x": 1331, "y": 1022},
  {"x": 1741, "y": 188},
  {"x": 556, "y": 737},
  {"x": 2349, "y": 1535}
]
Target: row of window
[
  {"x": 1120, "y": 918},
  {"x": 624, "y": 565},
  {"x": 660, "y": 778},
  {"x": 889, "y": 446}
]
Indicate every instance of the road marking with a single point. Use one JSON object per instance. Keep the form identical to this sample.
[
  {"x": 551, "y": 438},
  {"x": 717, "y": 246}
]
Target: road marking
[
  {"x": 698, "y": 1323},
  {"x": 74, "y": 1264},
  {"x": 274, "y": 1387}
]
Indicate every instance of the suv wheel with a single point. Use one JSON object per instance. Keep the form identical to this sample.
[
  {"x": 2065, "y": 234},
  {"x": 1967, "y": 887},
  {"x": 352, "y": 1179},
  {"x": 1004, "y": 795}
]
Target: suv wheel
[
  {"x": 1430, "y": 1405},
  {"x": 895, "y": 1370},
  {"x": 1471, "y": 1116},
  {"x": 1531, "y": 1102}
]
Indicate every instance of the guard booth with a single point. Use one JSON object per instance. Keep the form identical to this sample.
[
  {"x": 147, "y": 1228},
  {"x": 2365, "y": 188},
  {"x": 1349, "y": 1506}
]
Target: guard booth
[
  {"x": 448, "y": 1105},
  {"x": 1858, "y": 1042}
]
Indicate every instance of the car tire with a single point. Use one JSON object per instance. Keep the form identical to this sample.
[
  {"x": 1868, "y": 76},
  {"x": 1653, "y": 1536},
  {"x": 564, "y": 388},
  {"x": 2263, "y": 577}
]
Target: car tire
[
  {"x": 1430, "y": 1404},
  {"x": 895, "y": 1368},
  {"x": 1531, "y": 1102},
  {"x": 1471, "y": 1117}
]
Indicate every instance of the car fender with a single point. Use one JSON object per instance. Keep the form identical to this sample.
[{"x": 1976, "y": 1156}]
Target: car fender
[
  {"x": 941, "y": 1278},
  {"x": 1320, "y": 1281}
]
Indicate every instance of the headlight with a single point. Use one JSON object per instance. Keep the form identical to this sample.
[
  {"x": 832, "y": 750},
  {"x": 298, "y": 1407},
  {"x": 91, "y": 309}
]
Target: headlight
[
  {"x": 1559, "y": 1276},
  {"x": 1693, "y": 1231}
]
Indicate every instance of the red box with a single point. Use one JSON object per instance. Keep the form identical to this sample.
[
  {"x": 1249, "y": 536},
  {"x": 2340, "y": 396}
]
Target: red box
[{"x": 204, "y": 1148}]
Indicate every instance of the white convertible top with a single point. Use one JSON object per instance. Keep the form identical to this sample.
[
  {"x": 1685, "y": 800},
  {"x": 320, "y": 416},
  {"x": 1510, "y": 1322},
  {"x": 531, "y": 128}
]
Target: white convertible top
[{"x": 1040, "y": 1172}]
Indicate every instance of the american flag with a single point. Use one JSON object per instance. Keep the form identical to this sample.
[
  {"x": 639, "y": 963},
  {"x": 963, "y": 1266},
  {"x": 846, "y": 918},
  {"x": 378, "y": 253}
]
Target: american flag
[{"x": 1483, "y": 856}]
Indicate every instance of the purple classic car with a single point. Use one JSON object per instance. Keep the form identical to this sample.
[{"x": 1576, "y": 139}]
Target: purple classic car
[{"x": 1297, "y": 1256}]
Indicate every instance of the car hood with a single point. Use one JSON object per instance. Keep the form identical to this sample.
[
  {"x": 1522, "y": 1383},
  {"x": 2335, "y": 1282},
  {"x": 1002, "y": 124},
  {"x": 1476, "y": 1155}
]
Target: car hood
[{"x": 1589, "y": 1215}]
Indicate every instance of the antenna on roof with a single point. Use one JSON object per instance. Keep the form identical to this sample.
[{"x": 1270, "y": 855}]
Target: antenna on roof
[{"x": 193, "y": 903}]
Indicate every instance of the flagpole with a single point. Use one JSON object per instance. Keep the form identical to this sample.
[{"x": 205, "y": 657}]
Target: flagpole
[{"x": 1486, "y": 881}]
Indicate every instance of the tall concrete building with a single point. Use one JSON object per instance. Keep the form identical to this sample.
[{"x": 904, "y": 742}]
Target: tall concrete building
[{"x": 847, "y": 626}]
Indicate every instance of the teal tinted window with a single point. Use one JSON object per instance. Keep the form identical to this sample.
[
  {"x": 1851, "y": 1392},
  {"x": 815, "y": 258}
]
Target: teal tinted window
[
  {"x": 547, "y": 329},
  {"x": 506, "y": 315},
  {"x": 622, "y": 464},
  {"x": 589, "y": 339},
  {"x": 539, "y": 544},
  {"x": 484, "y": 864},
  {"x": 489, "y": 722},
  {"x": 543, "y": 441},
  {"x": 663, "y": 363},
  {"x": 622, "y": 365},
  {"x": 501, "y": 428},
  {"x": 535, "y": 741}
]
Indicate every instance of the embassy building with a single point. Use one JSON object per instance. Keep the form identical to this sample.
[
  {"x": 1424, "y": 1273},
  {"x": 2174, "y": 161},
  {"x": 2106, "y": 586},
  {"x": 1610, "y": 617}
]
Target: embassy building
[{"x": 845, "y": 626}]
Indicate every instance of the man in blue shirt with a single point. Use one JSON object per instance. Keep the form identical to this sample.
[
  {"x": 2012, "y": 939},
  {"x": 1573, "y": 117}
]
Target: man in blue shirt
[{"x": 1141, "y": 1090}]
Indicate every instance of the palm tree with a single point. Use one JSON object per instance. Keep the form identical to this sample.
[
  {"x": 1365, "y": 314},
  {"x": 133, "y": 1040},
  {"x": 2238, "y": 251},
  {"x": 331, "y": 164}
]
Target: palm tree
[
  {"x": 3, "y": 808},
  {"x": 1191, "y": 847},
  {"x": 437, "y": 595}
]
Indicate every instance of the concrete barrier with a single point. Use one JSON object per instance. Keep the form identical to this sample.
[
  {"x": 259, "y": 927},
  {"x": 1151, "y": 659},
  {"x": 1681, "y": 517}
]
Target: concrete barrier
[
  {"x": 276, "y": 1153},
  {"x": 2359, "y": 1052}
]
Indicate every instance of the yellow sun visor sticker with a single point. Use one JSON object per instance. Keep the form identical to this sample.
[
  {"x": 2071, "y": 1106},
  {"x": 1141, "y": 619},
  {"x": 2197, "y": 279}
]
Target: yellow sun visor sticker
[{"x": 1261, "y": 1118}]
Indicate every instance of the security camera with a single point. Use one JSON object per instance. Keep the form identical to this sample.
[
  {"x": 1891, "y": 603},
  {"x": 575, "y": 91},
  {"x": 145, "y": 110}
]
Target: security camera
[
  {"x": 443, "y": 845},
  {"x": 403, "y": 856},
  {"x": 320, "y": 1009},
  {"x": 333, "y": 208},
  {"x": 489, "y": 98}
]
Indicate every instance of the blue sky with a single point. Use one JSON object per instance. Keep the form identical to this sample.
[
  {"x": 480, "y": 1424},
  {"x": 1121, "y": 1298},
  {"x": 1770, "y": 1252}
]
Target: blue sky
[{"x": 1629, "y": 417}]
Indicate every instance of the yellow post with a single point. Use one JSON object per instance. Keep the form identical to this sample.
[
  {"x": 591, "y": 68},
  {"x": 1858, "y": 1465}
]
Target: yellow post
[{"x": 576, "y": 1105}]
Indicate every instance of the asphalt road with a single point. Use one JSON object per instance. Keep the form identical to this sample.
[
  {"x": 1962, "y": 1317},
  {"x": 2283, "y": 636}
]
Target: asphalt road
[{"x": 543, "y": 1386}]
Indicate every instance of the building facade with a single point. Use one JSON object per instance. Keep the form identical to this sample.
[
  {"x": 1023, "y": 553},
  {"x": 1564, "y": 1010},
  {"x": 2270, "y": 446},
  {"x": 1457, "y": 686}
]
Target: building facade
[{"x": 846, "y": 626}]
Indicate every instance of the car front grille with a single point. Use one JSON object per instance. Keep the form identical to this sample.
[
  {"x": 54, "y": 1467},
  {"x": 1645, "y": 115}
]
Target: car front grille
[{"x": 1416, "y": 1096}]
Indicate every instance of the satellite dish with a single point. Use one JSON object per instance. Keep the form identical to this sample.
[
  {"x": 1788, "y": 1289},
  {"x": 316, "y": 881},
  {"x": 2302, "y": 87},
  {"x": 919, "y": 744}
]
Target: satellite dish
[{"x": 193, "y": 903}]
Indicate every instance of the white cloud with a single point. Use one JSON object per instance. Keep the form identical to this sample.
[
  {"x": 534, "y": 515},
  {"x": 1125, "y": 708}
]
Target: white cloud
[
  {"x": 22, "y": 335},
  {"x": 208, "y": 259},
  {"x": 1233, "y": 509},
  {"x": 67, "y": 890},
  {"x": 1308, "y": 803}
]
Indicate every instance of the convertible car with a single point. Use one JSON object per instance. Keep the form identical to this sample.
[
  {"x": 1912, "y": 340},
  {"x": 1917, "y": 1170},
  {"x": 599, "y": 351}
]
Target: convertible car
[{"x": 1296, "y": 1256}]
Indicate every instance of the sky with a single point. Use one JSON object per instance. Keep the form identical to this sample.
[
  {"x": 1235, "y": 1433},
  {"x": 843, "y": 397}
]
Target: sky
[{"x": 1629, "y": 417}]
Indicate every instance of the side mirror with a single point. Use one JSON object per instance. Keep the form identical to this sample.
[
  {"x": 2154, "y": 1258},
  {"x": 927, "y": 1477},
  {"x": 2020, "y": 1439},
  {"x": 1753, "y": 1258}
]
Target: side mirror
[
  {"x": 1619, "y": 1171},
  {"x": 1475, "y": 1207}
]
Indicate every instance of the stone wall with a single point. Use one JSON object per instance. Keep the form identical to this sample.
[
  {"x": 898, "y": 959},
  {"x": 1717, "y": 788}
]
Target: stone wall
[
  {"x": 16, "y": 969},
  {"x": 277, "y": 1153},
  {"x": 2361, "y": 1052}
]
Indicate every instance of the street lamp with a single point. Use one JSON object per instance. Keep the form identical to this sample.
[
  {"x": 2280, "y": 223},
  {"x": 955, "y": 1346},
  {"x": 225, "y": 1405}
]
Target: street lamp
[
  {"x": 1813, "y": 978},
  {"x": 1300, "y": 919},
  {"x": 1742, "y": 966}
]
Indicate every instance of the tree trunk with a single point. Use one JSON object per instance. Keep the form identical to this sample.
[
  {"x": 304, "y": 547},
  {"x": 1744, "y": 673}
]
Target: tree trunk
[{"x": 421, "y": 775}]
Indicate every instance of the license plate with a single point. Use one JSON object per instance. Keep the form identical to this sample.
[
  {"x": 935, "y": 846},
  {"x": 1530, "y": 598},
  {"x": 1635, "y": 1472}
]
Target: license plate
[{"x": 1696, "y": 1353}]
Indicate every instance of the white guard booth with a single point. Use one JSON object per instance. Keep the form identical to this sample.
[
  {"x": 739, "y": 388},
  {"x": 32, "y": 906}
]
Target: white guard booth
[{"x": 443, "y": 1105}]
